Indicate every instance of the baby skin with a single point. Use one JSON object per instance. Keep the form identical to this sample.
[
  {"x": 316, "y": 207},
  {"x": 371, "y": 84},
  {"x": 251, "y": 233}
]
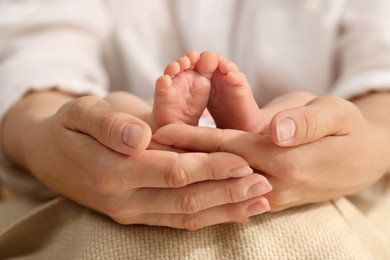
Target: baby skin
[{"x": 196, "y": 82}]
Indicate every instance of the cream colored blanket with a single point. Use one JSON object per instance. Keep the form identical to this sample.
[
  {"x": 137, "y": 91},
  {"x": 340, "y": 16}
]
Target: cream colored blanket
[{"x": 345, "y": 228}]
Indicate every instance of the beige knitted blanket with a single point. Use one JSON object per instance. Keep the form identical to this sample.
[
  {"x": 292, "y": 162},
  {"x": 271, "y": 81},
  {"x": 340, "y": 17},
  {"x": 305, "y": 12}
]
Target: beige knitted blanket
[{"x": 346, "y": 228}]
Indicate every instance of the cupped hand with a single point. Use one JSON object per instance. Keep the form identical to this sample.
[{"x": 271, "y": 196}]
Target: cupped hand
[
  {"x": 87, "y": 153},
  {"x": 313, "y": 153}
]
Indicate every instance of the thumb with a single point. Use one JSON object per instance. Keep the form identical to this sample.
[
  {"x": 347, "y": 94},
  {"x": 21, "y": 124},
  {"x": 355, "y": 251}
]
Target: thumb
[
  {"x": 118, "y": 131},
  {"x": 323, "y": 116}
]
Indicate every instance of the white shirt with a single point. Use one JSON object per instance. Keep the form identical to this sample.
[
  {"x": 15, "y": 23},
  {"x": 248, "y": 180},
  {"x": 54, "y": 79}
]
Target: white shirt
[{"x": 335, "y": 47}]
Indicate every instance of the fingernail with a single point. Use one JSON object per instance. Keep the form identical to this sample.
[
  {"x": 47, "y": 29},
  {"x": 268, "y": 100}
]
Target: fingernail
[
  {"x": 240, "y": 172},
  {"x": 259, "y": 188},
  {"x": 285, "y": 130},
  {"x": 132, "y": 135},
  {"x": 258, "y": 207}
]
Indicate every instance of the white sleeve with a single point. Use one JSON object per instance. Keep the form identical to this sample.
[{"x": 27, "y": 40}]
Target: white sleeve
[
  {"x": 51, "y": 44},
  {"x": 363, "y": 62}
]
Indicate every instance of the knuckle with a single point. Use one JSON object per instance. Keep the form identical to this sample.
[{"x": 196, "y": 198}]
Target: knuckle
[
  {"x": 284, "y": 199},
  {"x": 290, "y": 167},
  {"x": 113, "y": 210},
  {"x": 77, "y": 108},
  {"x": 106, "y": 125},
  {"x": 176, "y": 176},
  {"x": 342, "y": 107},
  {"x": 311, "y": 125},
  {"x": 119, "y": 210},
  {"x": 124, "y": 219},
  {"x": 70, "y": 111},
  {"x": 222, "y": 141},
  {"x": 190, "y": 203},
  {"x": 83, "y": 103},
  {"x": 292, "y": 173},
  {"x": 237, "y": 213},
  {"x": 278, "y": 201},
  {"x": 343, "y": 110},
  {"x": 193, "y": 222},
  {"x": 209, "y": 162},
  {"x": 115, "y": 214},
  {"x": 231, "y": 194}
]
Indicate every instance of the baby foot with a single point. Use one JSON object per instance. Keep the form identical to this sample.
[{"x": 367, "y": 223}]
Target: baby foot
[
  {"x": 182, "y": 93},
  {"x": 231, "y": 101}
]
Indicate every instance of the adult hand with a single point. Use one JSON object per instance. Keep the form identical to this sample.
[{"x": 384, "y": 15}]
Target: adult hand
[
  {"x": 85, "y": 151},
  {"x": 283, "y": 102},
  {"x": 316, "y": 152}
]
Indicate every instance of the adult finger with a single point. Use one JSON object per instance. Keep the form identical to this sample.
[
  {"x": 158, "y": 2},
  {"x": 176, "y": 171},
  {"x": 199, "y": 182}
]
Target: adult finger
[
  {"x": 199, "y": 196},
  {"x": 257, "y": 150},
  {"x": 283, "y": 102},
  {"x": 235, "y": 212},
  {"x": 323, "y": 116},
  {"x": 162, "y": 169},
  {"x": 119, "y": 131},
  {"x": 210, "y": 140}
]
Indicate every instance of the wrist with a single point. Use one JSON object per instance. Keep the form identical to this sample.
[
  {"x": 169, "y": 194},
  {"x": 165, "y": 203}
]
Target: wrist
[
  {"x": 23, "y": 122},
  {"x": 386, "y": 144},
  {"x": 380, "y": 138},
  {"x": 374, "y": 107},
  {"x": 388, "y": 151}
]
